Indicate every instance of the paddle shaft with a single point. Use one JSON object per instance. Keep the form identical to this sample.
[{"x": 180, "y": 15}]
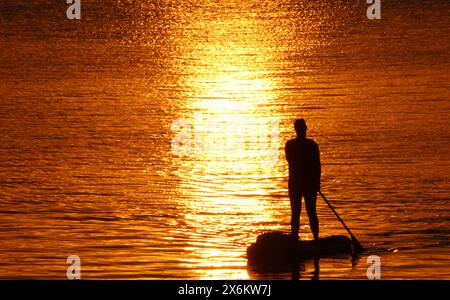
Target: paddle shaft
[{"x": 335, "y": 212}]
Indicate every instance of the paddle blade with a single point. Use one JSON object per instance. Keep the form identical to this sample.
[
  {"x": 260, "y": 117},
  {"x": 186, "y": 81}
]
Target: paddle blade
[{"x": 357, "y": 247}]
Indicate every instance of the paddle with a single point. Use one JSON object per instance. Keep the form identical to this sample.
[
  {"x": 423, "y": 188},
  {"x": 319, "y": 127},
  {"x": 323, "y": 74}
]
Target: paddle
[{"x": 356, "y": 244}]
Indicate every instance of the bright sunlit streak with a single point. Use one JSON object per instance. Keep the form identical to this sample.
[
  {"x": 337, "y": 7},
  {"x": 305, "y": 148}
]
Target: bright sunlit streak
[{"x": 234, "y": 135}]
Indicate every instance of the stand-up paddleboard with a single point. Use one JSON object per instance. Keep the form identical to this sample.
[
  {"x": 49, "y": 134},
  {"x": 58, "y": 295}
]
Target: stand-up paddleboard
[{"x": 276, "y": 248}]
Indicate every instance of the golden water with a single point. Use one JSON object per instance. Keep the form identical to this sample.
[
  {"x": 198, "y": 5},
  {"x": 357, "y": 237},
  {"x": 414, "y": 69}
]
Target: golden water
[{"x": 89, "y": 112}]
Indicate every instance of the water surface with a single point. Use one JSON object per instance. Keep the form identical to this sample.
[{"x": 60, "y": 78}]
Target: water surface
[{"x": 88, "y": 107}]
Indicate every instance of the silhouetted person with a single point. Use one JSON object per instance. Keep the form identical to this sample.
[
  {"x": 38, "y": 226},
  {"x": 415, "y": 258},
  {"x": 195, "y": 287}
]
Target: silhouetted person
[{"x": 303, "y": 157}]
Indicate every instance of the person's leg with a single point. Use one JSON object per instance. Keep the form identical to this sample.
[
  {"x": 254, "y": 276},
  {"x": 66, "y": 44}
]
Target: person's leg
[
  {"x": 296, "y": 205},
  {"x": 310, "y": 203}
]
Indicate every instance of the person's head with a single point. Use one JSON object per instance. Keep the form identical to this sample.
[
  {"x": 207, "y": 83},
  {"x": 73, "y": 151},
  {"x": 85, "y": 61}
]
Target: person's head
[{"x": 300, "y": 128}]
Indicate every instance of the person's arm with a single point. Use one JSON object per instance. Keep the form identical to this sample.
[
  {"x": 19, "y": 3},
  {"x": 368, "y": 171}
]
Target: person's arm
[
  {"x": 318, "y": 166},
  {"x": 287, "y": 152}
]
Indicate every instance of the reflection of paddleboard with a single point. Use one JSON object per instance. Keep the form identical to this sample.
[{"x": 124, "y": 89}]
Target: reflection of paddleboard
[{"x": 275, "y": 248}]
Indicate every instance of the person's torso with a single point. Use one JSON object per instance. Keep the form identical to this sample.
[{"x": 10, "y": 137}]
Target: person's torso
[{"x": 301, "y": 158}]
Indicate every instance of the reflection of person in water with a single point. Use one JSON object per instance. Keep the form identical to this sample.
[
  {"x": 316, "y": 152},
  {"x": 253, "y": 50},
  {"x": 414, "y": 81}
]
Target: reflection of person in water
[
  {"x": 299, "y": 270},
  {"x": 303, "y": 157}
]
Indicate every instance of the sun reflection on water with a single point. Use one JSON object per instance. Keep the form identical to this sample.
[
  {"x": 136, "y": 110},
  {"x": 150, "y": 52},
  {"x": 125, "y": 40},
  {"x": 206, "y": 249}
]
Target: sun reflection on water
[{"x": 234, "y": 151}]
